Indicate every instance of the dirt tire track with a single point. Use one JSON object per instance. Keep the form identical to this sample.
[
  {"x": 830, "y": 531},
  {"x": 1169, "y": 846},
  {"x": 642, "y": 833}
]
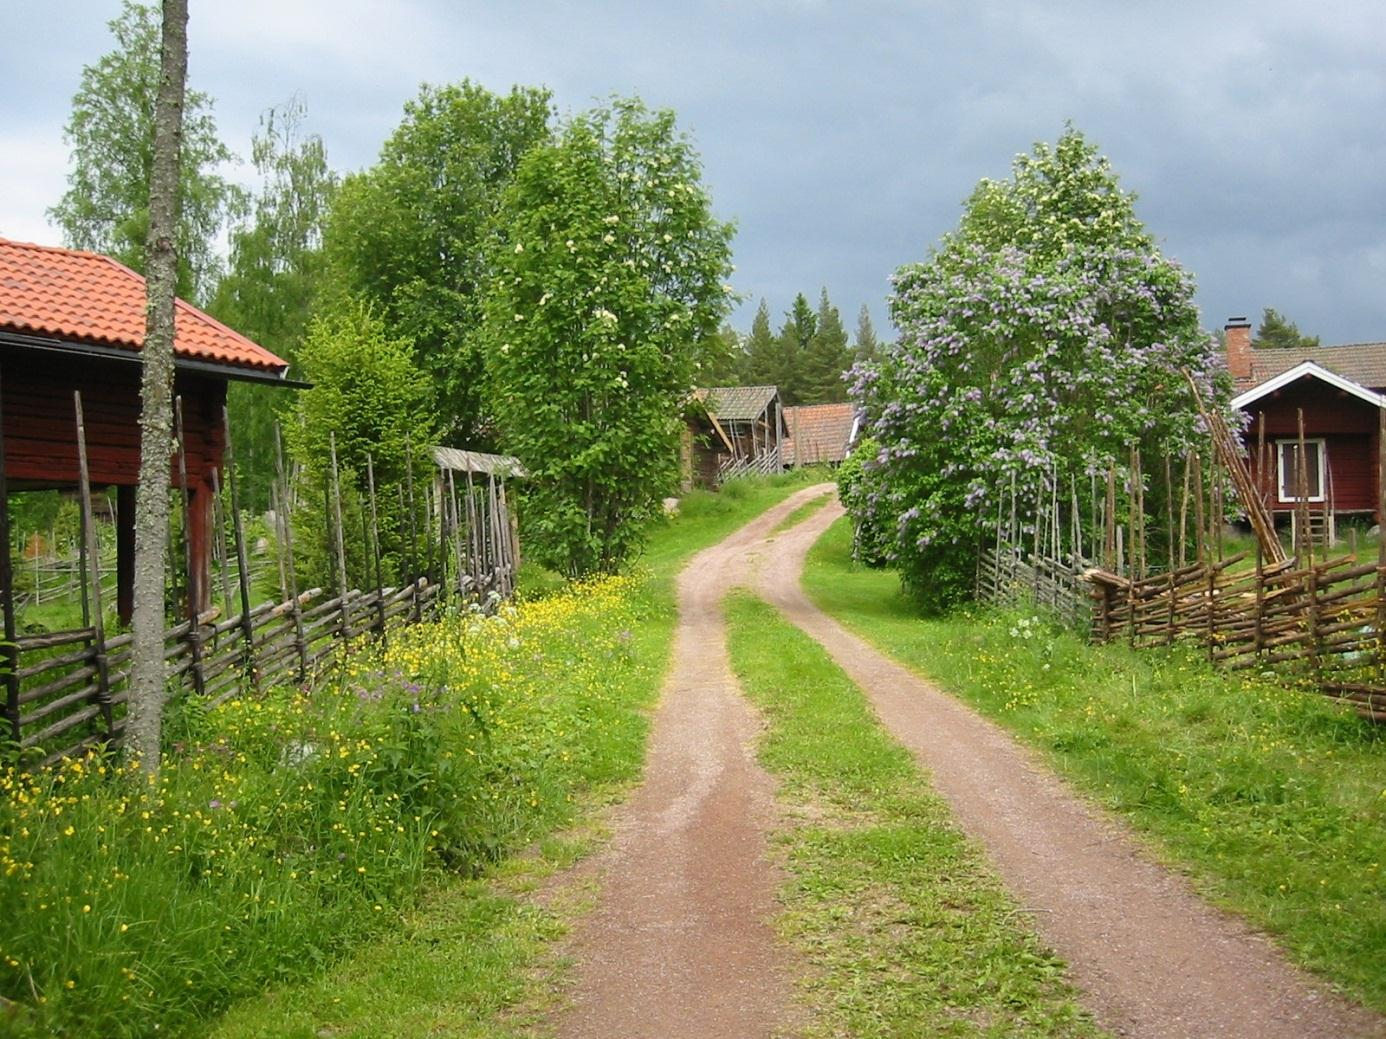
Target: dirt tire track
[
  {"x": 1150, "y": 956},
  {"x": 680, "y": 943}
]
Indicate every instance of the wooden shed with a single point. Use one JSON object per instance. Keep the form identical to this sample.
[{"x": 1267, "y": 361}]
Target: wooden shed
[
  {"x": 732, "y": 431},
  {"x": 72, "y": 323}
]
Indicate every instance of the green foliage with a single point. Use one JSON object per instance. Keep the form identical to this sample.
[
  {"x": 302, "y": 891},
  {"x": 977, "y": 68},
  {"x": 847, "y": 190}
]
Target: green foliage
[
  {"x": 792, "y": 346},
  {"x": 608, "y": 274},
  {"x": 274, "y": 278},
  {"x": 285, "y": 829},
  {"x": 722, "y": 359},
  {"x": 111, "y": 130},
  {"x": 409, "y": 234},
  {"x": 806, "y": 359},
  {"x": 763, "y": 365},
  {"x": 370, "y": 398},
  {"x": 858, "y": 479},
  {"x": 866, "y": 344},
  {"x": 1044, "y": 338},
  {"x": 931, "y": 939},
  {"x": 827, "y": 357},
  {"x": 1278, "y": 333}
]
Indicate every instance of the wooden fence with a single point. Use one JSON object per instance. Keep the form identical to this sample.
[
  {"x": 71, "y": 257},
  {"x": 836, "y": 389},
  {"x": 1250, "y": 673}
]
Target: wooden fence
[
  {"x": 1311, "y": 617},
  {"x": 65, "y": 691},
  {"x": 69, "y": 689}
]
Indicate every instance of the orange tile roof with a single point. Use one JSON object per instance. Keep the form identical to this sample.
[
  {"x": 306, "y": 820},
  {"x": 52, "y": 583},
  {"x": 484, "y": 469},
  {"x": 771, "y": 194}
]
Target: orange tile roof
[
  {"x": 84, "y": 297},
  {"x": 818, "y": 432}
]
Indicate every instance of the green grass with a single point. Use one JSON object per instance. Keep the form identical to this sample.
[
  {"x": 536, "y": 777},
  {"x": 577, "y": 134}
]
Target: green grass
[
  {"x": 476, "y": 957},
  {"x": 1273, "y": 799},
  {"x": 802, "y": 513},
  {"x": 905, "y": 928}
]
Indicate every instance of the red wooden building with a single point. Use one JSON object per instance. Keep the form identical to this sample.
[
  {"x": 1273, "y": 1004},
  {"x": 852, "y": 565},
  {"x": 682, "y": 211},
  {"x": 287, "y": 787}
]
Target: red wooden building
[
  {"x": 1338, "y": 390},
  {"x": 74, "y": 321}
]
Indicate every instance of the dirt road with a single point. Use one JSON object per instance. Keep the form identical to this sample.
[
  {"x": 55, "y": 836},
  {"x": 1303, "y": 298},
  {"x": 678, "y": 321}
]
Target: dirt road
[
  {"x": 680, "y": 945},
  {"x": 1151, "y": 958}
]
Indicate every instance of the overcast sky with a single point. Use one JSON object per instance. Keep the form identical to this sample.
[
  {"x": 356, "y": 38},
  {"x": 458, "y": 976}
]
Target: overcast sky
[{"x": 842, "y": 137}]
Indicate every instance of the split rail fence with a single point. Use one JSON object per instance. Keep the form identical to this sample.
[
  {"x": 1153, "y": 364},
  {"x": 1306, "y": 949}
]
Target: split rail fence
[
  {"x": 66, "y": 691},
  {"x": 1311, "y": 617}
]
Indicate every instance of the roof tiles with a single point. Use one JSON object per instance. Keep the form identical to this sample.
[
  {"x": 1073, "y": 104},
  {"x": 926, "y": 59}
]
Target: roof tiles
[
  {"x": 1362, "y": 363},
  {"x": 85, "y": 297},
  {"x": 818, "y": 432}
]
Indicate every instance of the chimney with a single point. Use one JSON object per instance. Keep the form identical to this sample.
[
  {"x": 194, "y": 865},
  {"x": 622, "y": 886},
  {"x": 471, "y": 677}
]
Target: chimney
[{"x": 1237, "y": 335}]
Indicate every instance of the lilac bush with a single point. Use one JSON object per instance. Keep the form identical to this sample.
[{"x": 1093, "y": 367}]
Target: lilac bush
[{"x": 1047, "y": 335}]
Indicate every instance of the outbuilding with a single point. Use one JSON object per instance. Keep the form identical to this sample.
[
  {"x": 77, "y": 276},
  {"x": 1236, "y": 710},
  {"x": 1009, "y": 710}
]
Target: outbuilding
[{"x": 72, "y": 323}]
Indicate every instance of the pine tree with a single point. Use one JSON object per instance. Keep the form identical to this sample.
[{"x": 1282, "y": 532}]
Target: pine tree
[
  {"x": 1278, "y": 333},
  {"x": 762, "y": 365},
  {"x": 792, "y": 349},
  {"x": 866, "y": 345},
  {"x": 826, "y": 357}
]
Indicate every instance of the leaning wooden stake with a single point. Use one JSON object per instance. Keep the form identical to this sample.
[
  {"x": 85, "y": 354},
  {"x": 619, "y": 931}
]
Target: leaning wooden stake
[
  {"x": 194, "y": 638},
  {"x": 341, "y": 544},
  {"x": 374, "y": 548},
  {"x": 242, "y": 564},
  {"x": 9, "y": 652},
  {"x": 286, "y": 533},
  {"x": 98, "y": 621}
]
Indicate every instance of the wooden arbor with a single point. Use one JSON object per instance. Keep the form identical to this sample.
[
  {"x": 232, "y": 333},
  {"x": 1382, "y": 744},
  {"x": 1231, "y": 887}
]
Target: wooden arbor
[{"x": 71, "y": 328}]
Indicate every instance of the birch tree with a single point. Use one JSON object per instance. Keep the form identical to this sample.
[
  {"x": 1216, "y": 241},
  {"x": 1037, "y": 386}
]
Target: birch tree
[{"x": 156, "y": 396}]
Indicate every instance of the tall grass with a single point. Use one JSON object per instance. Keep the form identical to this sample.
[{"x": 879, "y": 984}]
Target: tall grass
[{"x": 282, "y": 828}]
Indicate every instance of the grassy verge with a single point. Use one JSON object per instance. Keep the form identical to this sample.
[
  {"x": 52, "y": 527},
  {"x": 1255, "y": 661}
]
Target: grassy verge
[
  {"x": 1274, "y": 800},
  {"x": 474, "y": 958},
  {"x": 802, "y": 513},
  {"x": 906, "y": 929}
]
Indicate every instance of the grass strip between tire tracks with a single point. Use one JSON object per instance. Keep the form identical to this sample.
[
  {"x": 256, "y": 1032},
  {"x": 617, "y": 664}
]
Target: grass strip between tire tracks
[
  {"x": 1274, "y": 800},
  {"x": 905, "y": 928},
  {"x": 477, "y": 957}
]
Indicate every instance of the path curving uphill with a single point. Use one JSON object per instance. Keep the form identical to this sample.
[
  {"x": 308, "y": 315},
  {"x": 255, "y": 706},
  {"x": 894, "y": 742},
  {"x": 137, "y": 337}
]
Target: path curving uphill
[{"x": 1151, "y": 958}]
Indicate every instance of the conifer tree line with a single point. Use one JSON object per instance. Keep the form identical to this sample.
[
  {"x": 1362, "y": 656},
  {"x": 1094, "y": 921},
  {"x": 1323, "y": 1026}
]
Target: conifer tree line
[
  {"x": 423, "y": 297},
  {"x": 808, "y": 358}
]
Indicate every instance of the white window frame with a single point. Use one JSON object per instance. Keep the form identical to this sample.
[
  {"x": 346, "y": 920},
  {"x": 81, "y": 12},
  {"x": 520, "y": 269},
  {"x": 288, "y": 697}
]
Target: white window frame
[{"x": 1287, "y": 494}]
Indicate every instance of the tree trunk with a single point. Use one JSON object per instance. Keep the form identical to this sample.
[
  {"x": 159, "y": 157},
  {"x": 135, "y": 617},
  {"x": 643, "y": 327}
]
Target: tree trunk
[{"x": 156, "y": 398}]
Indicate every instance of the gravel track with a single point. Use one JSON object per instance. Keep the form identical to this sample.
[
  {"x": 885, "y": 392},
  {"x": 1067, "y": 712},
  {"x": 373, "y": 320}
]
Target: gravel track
[{"x": 1151, "y": 958}]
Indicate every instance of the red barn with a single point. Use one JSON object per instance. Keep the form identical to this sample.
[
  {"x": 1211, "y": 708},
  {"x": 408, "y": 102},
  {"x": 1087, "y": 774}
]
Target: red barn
[
  {"x": 1338, "y": 390},
  {"x": 74, "y": 321}
]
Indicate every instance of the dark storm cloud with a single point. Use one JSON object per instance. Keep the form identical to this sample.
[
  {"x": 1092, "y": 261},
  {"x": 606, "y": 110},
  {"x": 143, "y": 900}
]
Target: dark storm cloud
[{"x": 843, "y": 138}]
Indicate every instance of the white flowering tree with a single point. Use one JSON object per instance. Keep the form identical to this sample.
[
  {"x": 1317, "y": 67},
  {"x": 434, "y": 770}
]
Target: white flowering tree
[
  {"x": 1044, "y": 338},
  {"x": 609, "y": 271}
]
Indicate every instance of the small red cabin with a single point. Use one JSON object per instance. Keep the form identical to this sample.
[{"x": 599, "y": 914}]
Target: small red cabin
[
  {"x": 74, "y": 321},
  {"x": 1337, "y": 391}
]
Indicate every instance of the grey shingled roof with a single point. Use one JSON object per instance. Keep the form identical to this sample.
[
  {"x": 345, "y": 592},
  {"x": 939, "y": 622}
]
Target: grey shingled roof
[
  {"x": 460, "y": 461},
  {"x": 736, "y": 403},
  {"x": 1363, "y": 363}
]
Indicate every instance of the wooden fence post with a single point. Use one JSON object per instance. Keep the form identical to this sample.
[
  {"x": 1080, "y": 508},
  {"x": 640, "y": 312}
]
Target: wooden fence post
[
  {"x": 194, "y": 637},
  {"x": 284, "y": 530},
  {"x": 344, "y": 611},
  {"x": 9, "y": 652},
  {"x": 98, "y": 620},
  {"x": 374, "y": 548},
  {"x": 242, "y": 564}
]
